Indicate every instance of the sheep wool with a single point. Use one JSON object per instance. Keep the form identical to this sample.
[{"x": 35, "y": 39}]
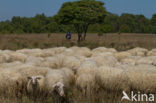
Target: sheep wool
[
  {"x": 142, "y": 78},
  {"x": 55, "y": 76},
  {"x": 152, "y": 52},
  {"x": 122, "y": 55},
  {"x": 112, "y": 78},
  {"x": 138, "y": 51}
]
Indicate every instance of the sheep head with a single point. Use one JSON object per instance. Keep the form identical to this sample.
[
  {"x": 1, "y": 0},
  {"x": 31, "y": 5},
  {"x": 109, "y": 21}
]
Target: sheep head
[
  {"x": 59, "y": 87},
  {"x": 34, "y": 80}
]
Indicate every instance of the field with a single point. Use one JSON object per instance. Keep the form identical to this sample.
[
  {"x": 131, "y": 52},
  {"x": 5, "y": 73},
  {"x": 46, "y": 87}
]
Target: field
[
  {"x": 120, "y": 42},
  {"x": 90, "y": 73}
]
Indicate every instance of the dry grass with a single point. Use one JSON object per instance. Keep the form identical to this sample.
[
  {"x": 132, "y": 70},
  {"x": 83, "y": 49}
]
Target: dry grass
[
  {"x": 120, "y": 42},
  {"x": 102, "y": 95}
]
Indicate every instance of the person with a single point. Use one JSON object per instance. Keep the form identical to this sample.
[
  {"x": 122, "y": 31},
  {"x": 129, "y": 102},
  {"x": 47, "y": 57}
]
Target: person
[{"x": 68, "y": 35}]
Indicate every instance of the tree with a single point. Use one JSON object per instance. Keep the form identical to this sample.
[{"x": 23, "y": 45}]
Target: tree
[
  {"x": 81, "y": 14},
  {"x": 127, "y": 20},
  {"x": 111, "y": 23},
  {"x": 153, "y": 23},
  {"x": 142, "y": 24}
]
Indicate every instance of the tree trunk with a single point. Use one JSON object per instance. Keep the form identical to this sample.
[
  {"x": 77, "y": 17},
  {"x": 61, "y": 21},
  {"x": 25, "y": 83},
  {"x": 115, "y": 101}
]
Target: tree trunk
[
  {"x": 79, "y": 37},
  {"x": 84, "y": 38},
  {"x": 85, "y": 31}
]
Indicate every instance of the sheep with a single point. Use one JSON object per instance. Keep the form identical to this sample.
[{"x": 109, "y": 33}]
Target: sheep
[
  {"x": 49, "y": 52},
  {"x": 10, "y": 56},
  {"x": 125, "y": 66},
  {"x": 60, "y": 61},
  {"x": 86, "y": 83},
  {"x": 68, "y": 52},
  {"x": 132, "y": 60},
  {"x": 82, "y": 51},
  {"x": 35, "y": 61},
  {"x": 142, "y": 77},
  {"x": 54, "y": 62},
  {"x": 147, "y": 60},
  {"x": 35, "y": 85},
  {"x": 10, "y": 65},
  {"x": 102, "y": 50},
  {"x": 11, "y": 81},
  {"x": 152, "y": 52},
  {"x": 138, "y": 51},
  {"x": 105, "y": 58},
  {"x": 17, "y": 57},
  {"x": 59, "y": 50},
  {"x": 71, "y": 62},
  {"x": 69, "y": 75},
  {"x": 85, "y": 77},
  {"x": 112, "y": 78},
  {"x": 122, "y": 55},
  {"x": 30, "y": 52},
  {"x": 88, "y": 66},
  {"x": 81, "y": 59},
  {"x": 4, "y": 58},
  {"x": 56, "y": 80},
  {"x": 29, "y": 70}
]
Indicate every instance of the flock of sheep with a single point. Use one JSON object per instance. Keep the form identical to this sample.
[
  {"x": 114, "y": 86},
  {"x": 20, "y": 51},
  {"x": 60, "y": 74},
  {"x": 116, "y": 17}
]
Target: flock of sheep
[{"x": 60, "y": 69}]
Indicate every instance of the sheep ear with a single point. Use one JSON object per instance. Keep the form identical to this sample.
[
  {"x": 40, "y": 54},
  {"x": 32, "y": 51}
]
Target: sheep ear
[
  {"x": 55, "y": 86},
  {"x": 28, "y": 78}
]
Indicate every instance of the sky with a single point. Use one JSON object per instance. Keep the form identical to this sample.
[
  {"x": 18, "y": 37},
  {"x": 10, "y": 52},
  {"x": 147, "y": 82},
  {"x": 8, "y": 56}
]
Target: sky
[{"x": 29, "y": 8}]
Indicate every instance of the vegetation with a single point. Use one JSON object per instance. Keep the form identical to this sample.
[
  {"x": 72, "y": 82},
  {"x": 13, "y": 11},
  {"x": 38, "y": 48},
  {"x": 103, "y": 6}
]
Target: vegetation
[
  {"x": 81, "y": 14},
  {"x": 79, "y": 17},
  {"x": 118, "y": 41}
]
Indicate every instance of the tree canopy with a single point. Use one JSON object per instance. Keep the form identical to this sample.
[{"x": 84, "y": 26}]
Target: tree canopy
[
  {"x": 81, "y": 14},
  {"x": 79, "y": 17}
]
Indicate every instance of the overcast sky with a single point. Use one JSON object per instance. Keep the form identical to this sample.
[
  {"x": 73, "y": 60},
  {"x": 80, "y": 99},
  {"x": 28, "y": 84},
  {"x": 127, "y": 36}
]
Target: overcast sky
[{"x": 29, "y": 8}]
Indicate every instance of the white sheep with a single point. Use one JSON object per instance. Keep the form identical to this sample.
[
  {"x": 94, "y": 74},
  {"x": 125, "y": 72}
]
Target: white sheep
[
  {"x": 147, "y": 60},
  {"x": 81, "y": 51},
  {"x": 106, "y": 58},
  {"x": 122, "y": 55},
  {"x": 11, "y": 81},
  {"x": 87, "y": 67},
  {"x": 142, "y": 77},
  {"x": 112, "y": 78},
  {"x": 10, "y": 65},
  {"x": 49, "y": 52},
  {"x": 138, "y": 51},
  {"x": 35, "y": 85},
  {"x": 35, "y": 61},
  {"x": 86, "y": 83},
  {"x": 85, "y": 77},
  {"x": 68, "y": 52},
  {"x": 59, "y": 50},
  {"x": 56, "y": 80},
  {"x": 4, "y": 58},
  {"x": 102, "y": 50},
  {"x": 132, "y": 60},
  {"x": 14, "y": 56},
  {"x": 152, "y": 52},
  {"x": 54, "y": 62},
  {"x": 27, "y": 70},
  {"x": 71, "y": 62},
  {"x": 30, "y": 52}
]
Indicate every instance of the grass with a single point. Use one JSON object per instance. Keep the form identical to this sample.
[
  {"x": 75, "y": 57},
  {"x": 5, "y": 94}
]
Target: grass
[
  {"x": 120, "y": 42},
  {"x": 102, "y": 95}
]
